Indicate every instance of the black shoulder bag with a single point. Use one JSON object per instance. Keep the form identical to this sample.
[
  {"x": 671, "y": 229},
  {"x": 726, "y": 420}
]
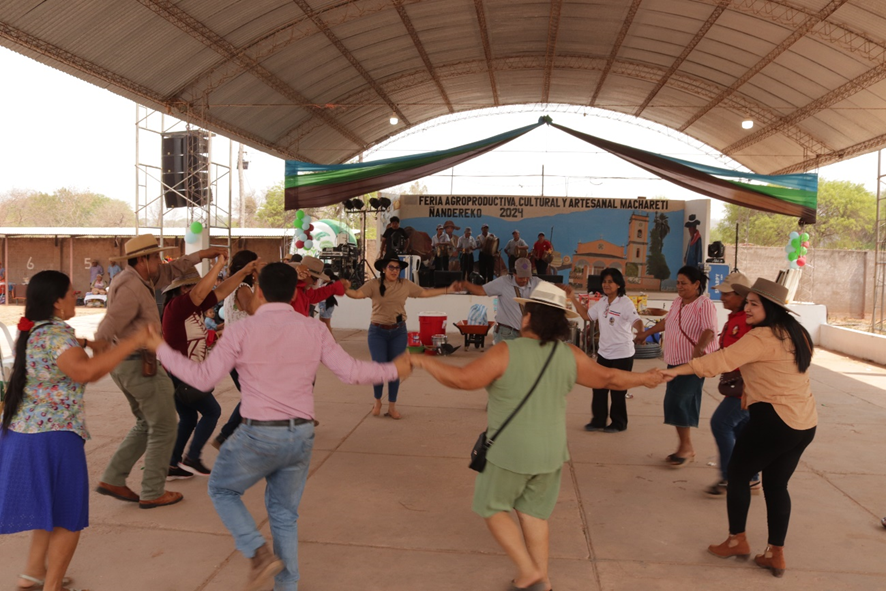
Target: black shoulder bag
[{"x": 481, "y": 447}]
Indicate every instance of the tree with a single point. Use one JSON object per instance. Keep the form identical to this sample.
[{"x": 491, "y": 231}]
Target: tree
[
  {"x": 65, "y": 207},
  {"x": 270, "y": 213},
  {"x": 846, "y": 218}
]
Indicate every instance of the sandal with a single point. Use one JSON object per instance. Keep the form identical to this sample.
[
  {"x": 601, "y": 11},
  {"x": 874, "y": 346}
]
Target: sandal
[
  {"x": 39, "y": 583},
  {"x": 675, "y": 461}
]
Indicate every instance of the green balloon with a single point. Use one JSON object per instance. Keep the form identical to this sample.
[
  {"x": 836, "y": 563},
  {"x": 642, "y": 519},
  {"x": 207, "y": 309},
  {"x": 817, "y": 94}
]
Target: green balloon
[
  {"x": 796, "y": 243},
  {"x": 793, "y": 256},
  {"x": 196, "y": 227},
  {"x": 803, "y": 251},
  {"x": 804, "y": 237},
  {"x": 299, "y": 214}
]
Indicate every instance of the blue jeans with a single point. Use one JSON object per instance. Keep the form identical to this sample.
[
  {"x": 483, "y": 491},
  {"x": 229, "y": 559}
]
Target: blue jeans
[
  {"x": 504, "y": 333},
  {"x": 280, "y": 455},
  {"x": 384, "y": 346},
  {"x": 188, "y": 424},
  {"x": 726, "y": 423}
]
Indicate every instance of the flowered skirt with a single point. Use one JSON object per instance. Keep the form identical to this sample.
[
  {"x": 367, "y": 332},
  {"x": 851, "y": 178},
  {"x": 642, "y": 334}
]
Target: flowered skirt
[{"x": 43, "y": 481}]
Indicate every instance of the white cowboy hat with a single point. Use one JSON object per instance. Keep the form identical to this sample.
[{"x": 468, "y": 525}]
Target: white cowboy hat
[{"x": 548, "y": 294}]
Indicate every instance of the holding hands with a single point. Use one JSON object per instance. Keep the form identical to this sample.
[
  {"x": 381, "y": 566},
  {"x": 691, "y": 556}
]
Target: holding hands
[
  {"x": 404, "y": 366},
  {"x": 152, "y": 337}
]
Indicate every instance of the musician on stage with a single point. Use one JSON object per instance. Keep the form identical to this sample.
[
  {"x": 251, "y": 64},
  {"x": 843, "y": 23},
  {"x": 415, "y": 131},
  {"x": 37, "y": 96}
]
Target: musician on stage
[
  {"x": 394, "y": 241},
  {"x": 466, "y": 246},
  {"x": 487, "y": 244},
  {"x": 441, "y": 244},
  {"x": 542, "y": 251},
  {"x": 515, "y": 248}
]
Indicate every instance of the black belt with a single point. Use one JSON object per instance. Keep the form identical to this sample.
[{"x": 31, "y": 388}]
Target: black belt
[
  {"x": 386, "y": 326},
  {"x": 283, "y": 423},
  {"x": 506, "y": 326}
]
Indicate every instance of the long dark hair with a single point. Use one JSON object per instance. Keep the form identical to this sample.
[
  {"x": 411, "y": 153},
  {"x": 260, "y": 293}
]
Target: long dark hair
[
  {"x": 693, "y": 274},
  {"x": 617, "y": 278},
  {"x": 240, "y": 260},
  {"x": 548, "y": 323},
  {"x": 785, "y": 326},
  {"x": 44, "y": 290}
]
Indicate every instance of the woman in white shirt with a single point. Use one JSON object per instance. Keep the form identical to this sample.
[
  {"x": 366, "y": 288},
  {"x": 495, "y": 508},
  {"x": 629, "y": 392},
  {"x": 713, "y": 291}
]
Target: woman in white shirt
[{"x": 617, "y": 318}]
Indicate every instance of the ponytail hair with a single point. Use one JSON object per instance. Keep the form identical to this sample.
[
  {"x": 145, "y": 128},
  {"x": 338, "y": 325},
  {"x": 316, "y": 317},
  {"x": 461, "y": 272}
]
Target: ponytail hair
[{"x": 44, "y": 290}]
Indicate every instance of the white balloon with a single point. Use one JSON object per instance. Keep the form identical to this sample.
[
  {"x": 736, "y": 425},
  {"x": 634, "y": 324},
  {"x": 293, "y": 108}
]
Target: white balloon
[
  {"x": 306, "y": 226},
  {"x": 309, "y": 244},
  {"x": 307, "y": 220}
]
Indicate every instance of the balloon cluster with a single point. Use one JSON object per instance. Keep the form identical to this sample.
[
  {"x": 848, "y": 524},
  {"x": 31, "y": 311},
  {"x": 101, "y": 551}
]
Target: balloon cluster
[
  {"x": 192, "y": 235},
  {"x": 797, "y": 249},
  {"x": 303, "y": 228}
]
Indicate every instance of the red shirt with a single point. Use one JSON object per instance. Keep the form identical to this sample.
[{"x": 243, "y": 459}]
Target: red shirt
[
  {"x": 541, "y": 247},
  {"x": 304, "y": 297},
  {"x": 183, "y": 326},
  {"x": 736, "y": 327}
]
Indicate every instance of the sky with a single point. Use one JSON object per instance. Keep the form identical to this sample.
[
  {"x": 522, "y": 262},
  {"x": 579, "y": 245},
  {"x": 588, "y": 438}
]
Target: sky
[{"x": 59, "y": 131}]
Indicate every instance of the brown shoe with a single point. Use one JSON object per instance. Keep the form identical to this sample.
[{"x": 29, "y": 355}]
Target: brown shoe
[
  {"x": 167, "y": 498},
  {"x": 736, "y": 545},
  {"x": 123, "y": 493},
  {"x": 265, "y": 567},
  {"x": 773, "y": 559}
]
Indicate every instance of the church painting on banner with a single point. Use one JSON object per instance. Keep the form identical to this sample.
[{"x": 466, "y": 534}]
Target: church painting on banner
[{"x": 645, "y": 239}]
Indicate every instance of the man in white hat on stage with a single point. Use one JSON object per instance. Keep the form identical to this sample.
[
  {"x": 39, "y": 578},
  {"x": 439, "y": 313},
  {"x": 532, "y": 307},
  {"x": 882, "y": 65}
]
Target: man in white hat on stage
[{"x": 132, "y": 304}]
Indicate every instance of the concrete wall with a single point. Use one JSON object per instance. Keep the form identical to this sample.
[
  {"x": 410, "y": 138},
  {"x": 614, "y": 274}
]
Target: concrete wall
[
  {"x": 842, "y": 280},
  {"x": 25, "y": 256},
  {"x": 864, "y": 345}
]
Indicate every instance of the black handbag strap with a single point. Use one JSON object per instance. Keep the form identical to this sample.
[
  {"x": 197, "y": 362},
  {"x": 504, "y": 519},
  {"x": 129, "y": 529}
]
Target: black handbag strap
[{"x": 491, "y": 440}]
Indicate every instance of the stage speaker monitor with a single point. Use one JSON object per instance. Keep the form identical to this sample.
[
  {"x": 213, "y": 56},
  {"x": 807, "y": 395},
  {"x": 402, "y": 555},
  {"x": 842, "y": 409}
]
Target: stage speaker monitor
[
  {"x": 446, "y": 278},
  {"x": 595, "y": 284},
  {"x": 552, "y": 278}
]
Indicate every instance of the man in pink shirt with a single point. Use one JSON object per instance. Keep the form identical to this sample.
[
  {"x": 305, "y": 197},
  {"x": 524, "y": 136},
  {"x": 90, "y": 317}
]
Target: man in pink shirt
[{"x": 276, "y": 437}]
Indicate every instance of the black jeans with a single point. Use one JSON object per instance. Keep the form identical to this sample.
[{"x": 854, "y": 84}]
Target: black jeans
[
  {"x": 467, "y": 265},
  {"x": 766, "y": 444},
  {"x": 487, "y": 267},
  {"x": 188, "y": 425},
  {"x": 228, "y": 428},
  {"x": 618, "y": 412},
  {"x": 541, "y": 267}
]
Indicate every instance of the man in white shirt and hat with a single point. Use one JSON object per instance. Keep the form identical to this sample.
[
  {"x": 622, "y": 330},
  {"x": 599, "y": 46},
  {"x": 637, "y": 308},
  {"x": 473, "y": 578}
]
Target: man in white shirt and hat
[
  {"x": 441, "y": 244},
  {"x": 466, "y": 247}
]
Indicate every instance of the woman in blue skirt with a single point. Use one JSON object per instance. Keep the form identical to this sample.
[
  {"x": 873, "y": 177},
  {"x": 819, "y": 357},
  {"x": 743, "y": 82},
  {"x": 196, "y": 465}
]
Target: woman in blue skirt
[{"x": 43, "y": 479}]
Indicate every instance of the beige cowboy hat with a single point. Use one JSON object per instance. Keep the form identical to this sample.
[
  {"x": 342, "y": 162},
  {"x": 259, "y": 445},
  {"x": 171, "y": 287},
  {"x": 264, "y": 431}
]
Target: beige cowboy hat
[
  {"x": 772, "y": 291},
  {"x": 450, "y": 223},
  {"x": 140, "y": 246},
  {"x": 188, "y": 279},
  {"x": 730, "y": 281},
  {"x": 548, "y": 294},
  {"x": 314, "y": 267}
]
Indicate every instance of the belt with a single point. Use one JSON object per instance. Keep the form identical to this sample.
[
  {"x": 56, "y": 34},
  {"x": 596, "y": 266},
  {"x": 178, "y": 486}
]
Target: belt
[
  {"x": 387, "y": 326},
  {"x": 282, "y": 423},
  {"x": 505, "y": 326}
]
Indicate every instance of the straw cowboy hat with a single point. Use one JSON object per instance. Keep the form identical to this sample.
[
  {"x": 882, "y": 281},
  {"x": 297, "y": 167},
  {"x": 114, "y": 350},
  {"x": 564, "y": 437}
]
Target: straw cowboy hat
[
  {"x": 450, "y": 223},
  {"x": 770, "y": 290},
  {"x": 548, "y": 294},
  {"x": 188, "y": 279},
  {"x": 140, "y": 246},
  {"x": 731, "y": 280}
]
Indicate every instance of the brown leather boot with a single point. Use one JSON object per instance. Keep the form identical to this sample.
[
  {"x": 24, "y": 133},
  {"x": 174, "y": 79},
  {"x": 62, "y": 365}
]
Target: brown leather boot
[
  {"x": 265, "y": 566},
  {"x": 773, "y": 559},
  {"x": 736, "y": 545}
]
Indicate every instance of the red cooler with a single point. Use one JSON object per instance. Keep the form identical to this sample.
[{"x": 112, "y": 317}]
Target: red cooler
[{"x": 431, "y": 323}]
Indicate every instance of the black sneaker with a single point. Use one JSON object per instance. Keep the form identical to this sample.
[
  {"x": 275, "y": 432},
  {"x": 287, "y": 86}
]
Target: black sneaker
[
  {"x": 592, "y": 427},
  {"x": 176, "y": 473},
  {"x": 611, "y": 429},
  {"x": 717, "y": 490},
  {"x": 194, "y": 466}
]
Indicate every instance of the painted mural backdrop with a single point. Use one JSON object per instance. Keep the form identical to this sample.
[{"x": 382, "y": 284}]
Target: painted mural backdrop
[{"x": 643, "y": 238}]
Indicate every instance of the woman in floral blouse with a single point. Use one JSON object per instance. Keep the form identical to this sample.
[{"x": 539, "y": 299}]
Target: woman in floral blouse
[{"x": 43, "y": 478}]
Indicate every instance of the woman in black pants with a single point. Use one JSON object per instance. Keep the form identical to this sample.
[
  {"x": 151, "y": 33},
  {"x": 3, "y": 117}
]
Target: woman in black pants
[
  {"x": 618, "y": 320},
  {"x": 774, "y": 358}
]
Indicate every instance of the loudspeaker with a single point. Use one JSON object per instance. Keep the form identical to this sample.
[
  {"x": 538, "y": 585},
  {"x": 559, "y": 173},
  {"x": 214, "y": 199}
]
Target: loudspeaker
[
  {"x": 445, "y": 278},
  {"x": 184, "y": 165},
  {"x": 595, "y": 284},
  {"x": 552, "y": 278}
]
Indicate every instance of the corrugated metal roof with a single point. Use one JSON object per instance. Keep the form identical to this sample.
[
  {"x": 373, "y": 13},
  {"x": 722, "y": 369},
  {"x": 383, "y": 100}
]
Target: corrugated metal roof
[{"x": 318, "y": 79}]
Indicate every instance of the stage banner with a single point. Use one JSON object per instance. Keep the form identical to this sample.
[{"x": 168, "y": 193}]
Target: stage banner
[{"x": 642, "y": 238}]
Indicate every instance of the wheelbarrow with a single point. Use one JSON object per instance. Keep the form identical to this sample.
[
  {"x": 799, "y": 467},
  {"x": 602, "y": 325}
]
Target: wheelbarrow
[{"x": 475, "y": 334}]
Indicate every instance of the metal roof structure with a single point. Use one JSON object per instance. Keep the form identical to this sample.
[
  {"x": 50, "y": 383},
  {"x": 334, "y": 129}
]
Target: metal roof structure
[{"x": 318, "y": 80}]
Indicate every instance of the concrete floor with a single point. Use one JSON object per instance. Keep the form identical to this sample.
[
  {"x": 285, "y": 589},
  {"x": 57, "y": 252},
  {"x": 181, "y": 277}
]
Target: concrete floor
[{"x": 387, "y": 505}]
